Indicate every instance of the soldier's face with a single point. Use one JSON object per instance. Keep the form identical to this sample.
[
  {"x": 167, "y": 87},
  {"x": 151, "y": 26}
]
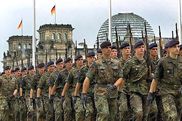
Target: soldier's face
[
  {"x": 79, "y": 62},
  {"x": 8, "y": 72},
  {"x": 60, "y": 65},
  {"x": 153, "y": 51},
  {"x": 68, "y": 64},
  {"x": 140, "y": 50},
  {"x": 41, "y": 70},
  {"x": 106, "y": 51},
  {"x": 51, "y": 68},
  {"x": 174, "y": 50},
  {"x": 31, "y": 71},
  {"x": 114, "y": 53},
  {"x": 90, "y": 59},
  {"x": 126, "y": 51}
]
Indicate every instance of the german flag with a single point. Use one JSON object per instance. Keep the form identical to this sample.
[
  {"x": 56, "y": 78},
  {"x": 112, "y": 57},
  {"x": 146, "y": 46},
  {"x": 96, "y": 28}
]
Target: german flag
[
  {"x": 53, "y": 10},
  {"x": 20, "y": 25}
]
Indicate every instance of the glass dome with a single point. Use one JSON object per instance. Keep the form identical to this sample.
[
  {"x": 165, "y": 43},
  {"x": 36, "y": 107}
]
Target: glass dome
[{"x": 121, "y": 21}]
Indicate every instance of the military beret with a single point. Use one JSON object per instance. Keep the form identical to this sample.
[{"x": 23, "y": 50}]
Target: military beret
[
  {"x": 99, "y": 51},
  {"x": 171, "y": 43},
  {"x": 113, "y": 47},
  {"x": 90, "y": 54},
  {"x": 125, "y": 44},
  {"x": 50, "y": 63},
  {"x": 30, "y": 67},
  {"x": 67, "y": 60},
  {"x": 152, "y": 45},
  {"x": 138, "y": 44},
  {"x": 16, "y": 69},
  {"x": 7, "y": 68},
  {"x": 59, "y": 60},
  {"x": 41, "y": 65},
  {"x": 180, "y": 47},
  {"x": 105, "y": 44},
  {"x": 78, "y": 57},
  {"x": 23, "y": 69}
]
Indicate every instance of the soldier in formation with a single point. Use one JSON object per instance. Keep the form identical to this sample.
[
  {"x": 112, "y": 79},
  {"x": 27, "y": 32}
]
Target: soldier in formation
[{"x": 105, "y": 88}]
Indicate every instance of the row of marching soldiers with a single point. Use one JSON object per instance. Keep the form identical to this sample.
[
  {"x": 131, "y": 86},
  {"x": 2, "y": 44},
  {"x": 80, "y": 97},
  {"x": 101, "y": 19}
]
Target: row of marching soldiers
[{"x": 105, "y": 88}]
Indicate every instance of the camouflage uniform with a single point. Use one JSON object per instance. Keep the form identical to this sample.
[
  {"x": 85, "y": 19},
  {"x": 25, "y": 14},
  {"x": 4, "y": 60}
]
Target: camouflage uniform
[
  {"x": 72, "y": 79},
  {"x": 17, "y": 104},
  {"x": 58, "y": 110},
  {"x": 66, "y": 106},
  {"x": 5, "y": 106},
  {"x": 90, "y": 107},
  {"x": 33, "y": 86},
  {"x": 123, "y": 100},
  {"x": 135, "y": 73},
  {"x": 105, "y": 72},
  {"x": 169, "y": 76},
  {"x": 22, "y": 100},
  {"x": 44, "y": 86}
]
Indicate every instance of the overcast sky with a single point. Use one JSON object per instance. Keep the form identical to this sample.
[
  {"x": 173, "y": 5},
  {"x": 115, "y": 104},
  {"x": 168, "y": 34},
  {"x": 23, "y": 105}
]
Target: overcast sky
[{"x": 86, "y": 16}]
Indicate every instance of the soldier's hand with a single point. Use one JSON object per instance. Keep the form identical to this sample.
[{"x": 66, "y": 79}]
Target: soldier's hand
[
  {"x": 51, "y": 99},
  {"x": 74, "y": 99},
  {"x": 150, "y": 98},
  {"x": 38, "y": 101},
  {"x": 111, "y": 87},
  {"x": 84, "y": 98},
  {"x": 62, "y": 99}
]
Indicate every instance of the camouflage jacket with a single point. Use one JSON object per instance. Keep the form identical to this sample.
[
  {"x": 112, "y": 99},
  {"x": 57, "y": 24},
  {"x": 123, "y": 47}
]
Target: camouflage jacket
[
  {"x": 104, "y": 72},
  {"x": 7, "y": 86},
  {"x": 44, "y": 83},
  {"x": 169, "y": 75},
  {"x": 75, "y": 75},
  {"x": 135, "y": 73},
  {"x": 60, "y": 81}
]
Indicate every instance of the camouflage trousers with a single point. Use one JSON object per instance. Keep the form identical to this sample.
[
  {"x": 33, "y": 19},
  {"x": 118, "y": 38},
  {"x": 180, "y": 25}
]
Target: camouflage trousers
[
  {"x": 172, "y": 107},
  {"x": 68, "y": 109},
  {"x": 140, "y": 109},
  {"x": 58, "y": 109},
  {"x": 3, "y": 109},
  {"x": 42, "y": 111},
  {"x": 79, "y": 110},
  {"x": 20, "y": 108},
  {"x": 90, "y": 109},
  {"x": 123, "y": 107},
  {"x": 106, "y": 108},
  {"x": 31, "y": 112}
]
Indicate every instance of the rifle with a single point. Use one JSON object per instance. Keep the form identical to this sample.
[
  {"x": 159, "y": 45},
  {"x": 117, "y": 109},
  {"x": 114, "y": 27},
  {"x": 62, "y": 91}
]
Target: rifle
[
  {"x": 147, "y": 48},
  {"x": 130, "y": 39},
  {"x": 172, "y": 34},
  {"x": 75, "y": 48},
  {"x": 154, "y": 39},
  {"x": 117, "y": 42},
  {"x": 97, "y": 42},
  {"x": 149, "y": 103},
  {"x": 85, "y": 48},
  {"x": 177, "y": 37},
  {"x": 160, "y": 43}
]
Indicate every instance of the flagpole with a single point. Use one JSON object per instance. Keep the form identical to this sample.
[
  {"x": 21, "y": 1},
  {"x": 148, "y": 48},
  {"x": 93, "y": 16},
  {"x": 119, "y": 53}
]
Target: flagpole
[
  {"x": 110, "y": 21},
  {"x": 34, "y": 34},
  {"x": 180, "y": 26},
  {"x": 55, "y": 13},
  {"x": 22, "y": 27}
]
